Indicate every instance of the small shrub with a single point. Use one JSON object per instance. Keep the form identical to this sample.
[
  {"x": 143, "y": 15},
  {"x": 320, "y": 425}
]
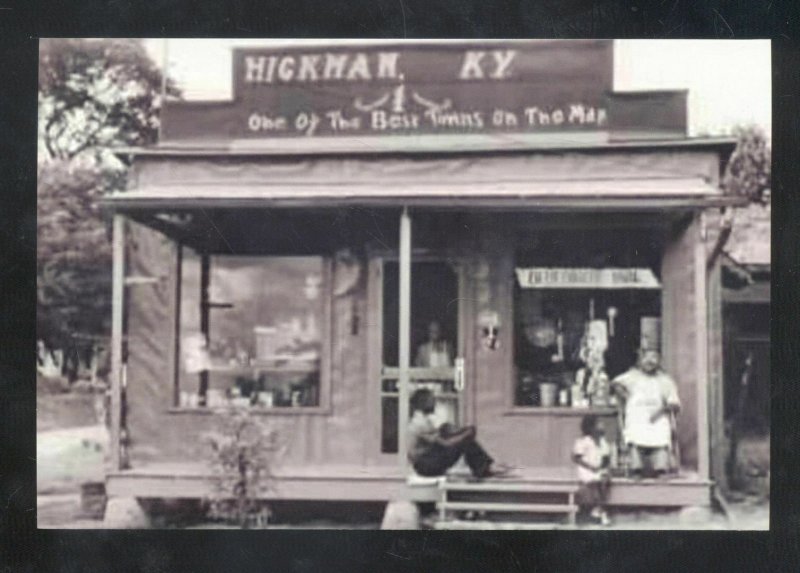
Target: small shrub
[{"x": 242, "y": 452}]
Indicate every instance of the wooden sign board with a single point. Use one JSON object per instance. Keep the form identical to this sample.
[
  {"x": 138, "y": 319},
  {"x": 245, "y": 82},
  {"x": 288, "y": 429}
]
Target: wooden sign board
[
  {"x": 586, "y": 278},
  {"x": 408, "y": 89}
]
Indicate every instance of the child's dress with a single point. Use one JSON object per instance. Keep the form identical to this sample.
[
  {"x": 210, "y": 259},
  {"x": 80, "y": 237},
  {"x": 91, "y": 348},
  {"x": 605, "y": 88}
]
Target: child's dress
[
  {"x": 594, "y": 485},
  {"x": 592, "y": 453}
]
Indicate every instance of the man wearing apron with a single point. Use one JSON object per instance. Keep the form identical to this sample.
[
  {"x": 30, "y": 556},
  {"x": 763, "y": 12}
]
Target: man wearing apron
[{"x": 650, "y": 400}]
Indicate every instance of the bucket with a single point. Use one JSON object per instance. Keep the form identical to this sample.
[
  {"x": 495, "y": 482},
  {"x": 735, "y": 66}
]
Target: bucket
[
  {"x": 93, "y": 499},
  {"x": 548, "y": 394}
]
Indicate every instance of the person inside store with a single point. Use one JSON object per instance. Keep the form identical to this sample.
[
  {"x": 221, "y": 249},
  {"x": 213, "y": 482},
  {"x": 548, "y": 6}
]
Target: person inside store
[
  {"x": 432, "y": 449},
  {"x": 437, "y": 352},
  {"x": 650, "y": 398}
]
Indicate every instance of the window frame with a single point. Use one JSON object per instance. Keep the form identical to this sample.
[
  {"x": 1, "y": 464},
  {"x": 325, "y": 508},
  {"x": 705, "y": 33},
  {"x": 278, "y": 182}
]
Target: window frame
[
  {"x": 325, "y": 365},
  {"x": 511, "y": 406}
]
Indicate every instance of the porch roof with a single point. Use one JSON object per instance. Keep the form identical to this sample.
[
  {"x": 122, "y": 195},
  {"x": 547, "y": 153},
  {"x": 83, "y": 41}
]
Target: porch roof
[
  {"x": 440, "y": 144},
  {"x": 633, "y": 193}
]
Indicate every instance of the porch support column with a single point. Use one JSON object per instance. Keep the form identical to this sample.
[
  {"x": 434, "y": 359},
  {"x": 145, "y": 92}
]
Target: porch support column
[
  {"x": 404, "y": 339},
  {"x": 205, "y": 311},
  {"x": 175, "y": 369},
  {"x": 117, "y": 306},
  {"x": 701, "y": 327}
]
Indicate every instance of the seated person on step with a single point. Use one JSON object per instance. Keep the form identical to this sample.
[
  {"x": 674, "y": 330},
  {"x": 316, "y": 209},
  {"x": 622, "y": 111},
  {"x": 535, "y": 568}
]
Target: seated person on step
[
  {"x": 433, "y": 450},
  {"x": 592, "y": 457}
]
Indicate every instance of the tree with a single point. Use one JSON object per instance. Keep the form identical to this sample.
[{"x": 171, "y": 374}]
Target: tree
[
  {"x": 749, "y": 170},
  {"x": 94, "y": 95},
  {"x": 748, "y": 174},
  {"x": 73, "y": 254}
]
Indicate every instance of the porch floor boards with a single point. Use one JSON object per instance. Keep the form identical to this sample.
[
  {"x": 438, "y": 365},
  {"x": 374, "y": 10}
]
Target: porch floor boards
[{"x": 383, "y": 483}]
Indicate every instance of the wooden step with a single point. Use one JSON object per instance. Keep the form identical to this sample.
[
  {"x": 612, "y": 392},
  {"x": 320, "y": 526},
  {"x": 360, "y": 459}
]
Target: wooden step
[
  {"x": 489, "y": 525},
  {"x": 507, "y": 507},
  {"x": 509, "y": 487}
]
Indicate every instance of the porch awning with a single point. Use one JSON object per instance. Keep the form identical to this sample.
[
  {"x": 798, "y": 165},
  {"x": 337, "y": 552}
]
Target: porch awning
[{"x": 640, "y": 193}]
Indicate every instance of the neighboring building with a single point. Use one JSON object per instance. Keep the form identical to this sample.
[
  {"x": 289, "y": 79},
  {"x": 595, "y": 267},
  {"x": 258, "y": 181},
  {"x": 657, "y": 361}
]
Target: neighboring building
[
  {"x": 501, "y": 182},
  {"x": 746, "y": 333}
]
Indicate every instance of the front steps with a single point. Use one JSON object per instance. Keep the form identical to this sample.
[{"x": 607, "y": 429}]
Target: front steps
[{"x": 504, "y": 504}]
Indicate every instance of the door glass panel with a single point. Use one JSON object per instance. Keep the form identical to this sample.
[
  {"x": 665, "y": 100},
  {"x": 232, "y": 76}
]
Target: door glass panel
[{"x": 434, "y": 299}]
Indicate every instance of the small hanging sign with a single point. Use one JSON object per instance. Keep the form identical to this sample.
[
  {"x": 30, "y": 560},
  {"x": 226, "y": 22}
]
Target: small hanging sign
[{"x": 587, "y": 278}]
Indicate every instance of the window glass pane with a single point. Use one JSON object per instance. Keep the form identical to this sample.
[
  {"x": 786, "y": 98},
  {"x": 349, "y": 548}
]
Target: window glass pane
[
  {"x": 265, "y": 331},
  {"x": 192, "y": 340},
  {"x": 569, "y": 342}
]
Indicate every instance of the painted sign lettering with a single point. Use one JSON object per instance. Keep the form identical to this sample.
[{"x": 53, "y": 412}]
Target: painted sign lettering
[
  {"x": 408, "y": 89},
  {"x": 259, "y": 69},
  {"x": 585, "y": 278}
]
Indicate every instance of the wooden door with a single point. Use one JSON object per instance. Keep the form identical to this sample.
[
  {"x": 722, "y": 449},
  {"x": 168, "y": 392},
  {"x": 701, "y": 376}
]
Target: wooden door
[{"x": 435, "y": 293}]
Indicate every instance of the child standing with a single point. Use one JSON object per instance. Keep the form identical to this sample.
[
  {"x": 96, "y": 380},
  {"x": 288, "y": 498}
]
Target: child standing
[{"x": 592, "y": 456}]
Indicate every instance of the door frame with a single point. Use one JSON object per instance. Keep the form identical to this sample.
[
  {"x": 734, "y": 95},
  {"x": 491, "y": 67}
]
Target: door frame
[{"x": 375, "y": 267}]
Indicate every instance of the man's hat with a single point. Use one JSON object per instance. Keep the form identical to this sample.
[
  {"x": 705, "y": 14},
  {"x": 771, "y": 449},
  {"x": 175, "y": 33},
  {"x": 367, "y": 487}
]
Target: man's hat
[{"x": 650, "y": 329}]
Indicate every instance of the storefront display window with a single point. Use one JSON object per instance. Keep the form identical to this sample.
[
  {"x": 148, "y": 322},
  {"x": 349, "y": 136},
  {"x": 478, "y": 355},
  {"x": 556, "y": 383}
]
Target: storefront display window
[
  {"x": 252, "y": 332},
  {"x": 582, "y": 304}
]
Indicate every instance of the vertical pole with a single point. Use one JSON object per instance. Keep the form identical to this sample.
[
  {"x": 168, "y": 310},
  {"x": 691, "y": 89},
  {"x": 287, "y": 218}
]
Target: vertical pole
[
  {"x": 205, "y": 310},
  {"x": 164, "y": 72},
  {"x": 701, "y": 342},
  {"x": 717, "y": 440},
  {"x": 404, "y": 335},
  {"x": 176, "y": 326},
  {"x": 117, "y": 304}
]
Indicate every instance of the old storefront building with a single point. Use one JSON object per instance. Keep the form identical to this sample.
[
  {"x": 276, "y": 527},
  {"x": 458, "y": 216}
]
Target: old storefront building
[{"x": 299, "y": 240}]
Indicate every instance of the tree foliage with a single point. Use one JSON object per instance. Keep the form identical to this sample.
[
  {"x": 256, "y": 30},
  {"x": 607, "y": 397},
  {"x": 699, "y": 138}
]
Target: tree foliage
[
  {"x": 749, "y": 170},
  {"x": 73, "y": 253},
  {"x": 94, "y": 95}
]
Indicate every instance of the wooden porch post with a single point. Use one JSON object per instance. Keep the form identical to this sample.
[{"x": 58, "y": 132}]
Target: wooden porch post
[
  {"x": 117, "y": 306},
  {"x": 205, "y": 311},
  {"x": 404, "y": 335},
  {"x": 717, "y": 439},
  {"x": 175, "y": 355},
  {"x": 701, "y": 327}
]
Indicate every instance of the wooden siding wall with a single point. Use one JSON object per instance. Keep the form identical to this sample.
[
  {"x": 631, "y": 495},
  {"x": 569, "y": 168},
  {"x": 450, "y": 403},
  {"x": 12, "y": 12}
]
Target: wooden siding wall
[
  {"x": 149, "y": 331},
  {"x": 680, "y": 335},
  {"x": 160, "y": 436},
  {"x": 525, "y": 440}
]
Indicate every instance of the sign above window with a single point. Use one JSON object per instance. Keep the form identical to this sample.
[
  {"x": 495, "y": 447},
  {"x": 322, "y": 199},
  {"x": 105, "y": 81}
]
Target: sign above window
[
  {"x": 408, "y": 89},
  {"x": 587, "y": 278}
]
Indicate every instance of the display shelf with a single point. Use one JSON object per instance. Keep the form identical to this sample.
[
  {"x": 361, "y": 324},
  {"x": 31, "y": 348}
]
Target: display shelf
[
  {"x": 444, "y": 396},
  {"x": 560, "y": 411},
  {"x": 272, "y": 366},
  {"x": 255, "y": 410}
]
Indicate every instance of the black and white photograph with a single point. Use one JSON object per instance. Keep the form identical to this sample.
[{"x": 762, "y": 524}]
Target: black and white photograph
[{"x": 403, "y": 284}]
